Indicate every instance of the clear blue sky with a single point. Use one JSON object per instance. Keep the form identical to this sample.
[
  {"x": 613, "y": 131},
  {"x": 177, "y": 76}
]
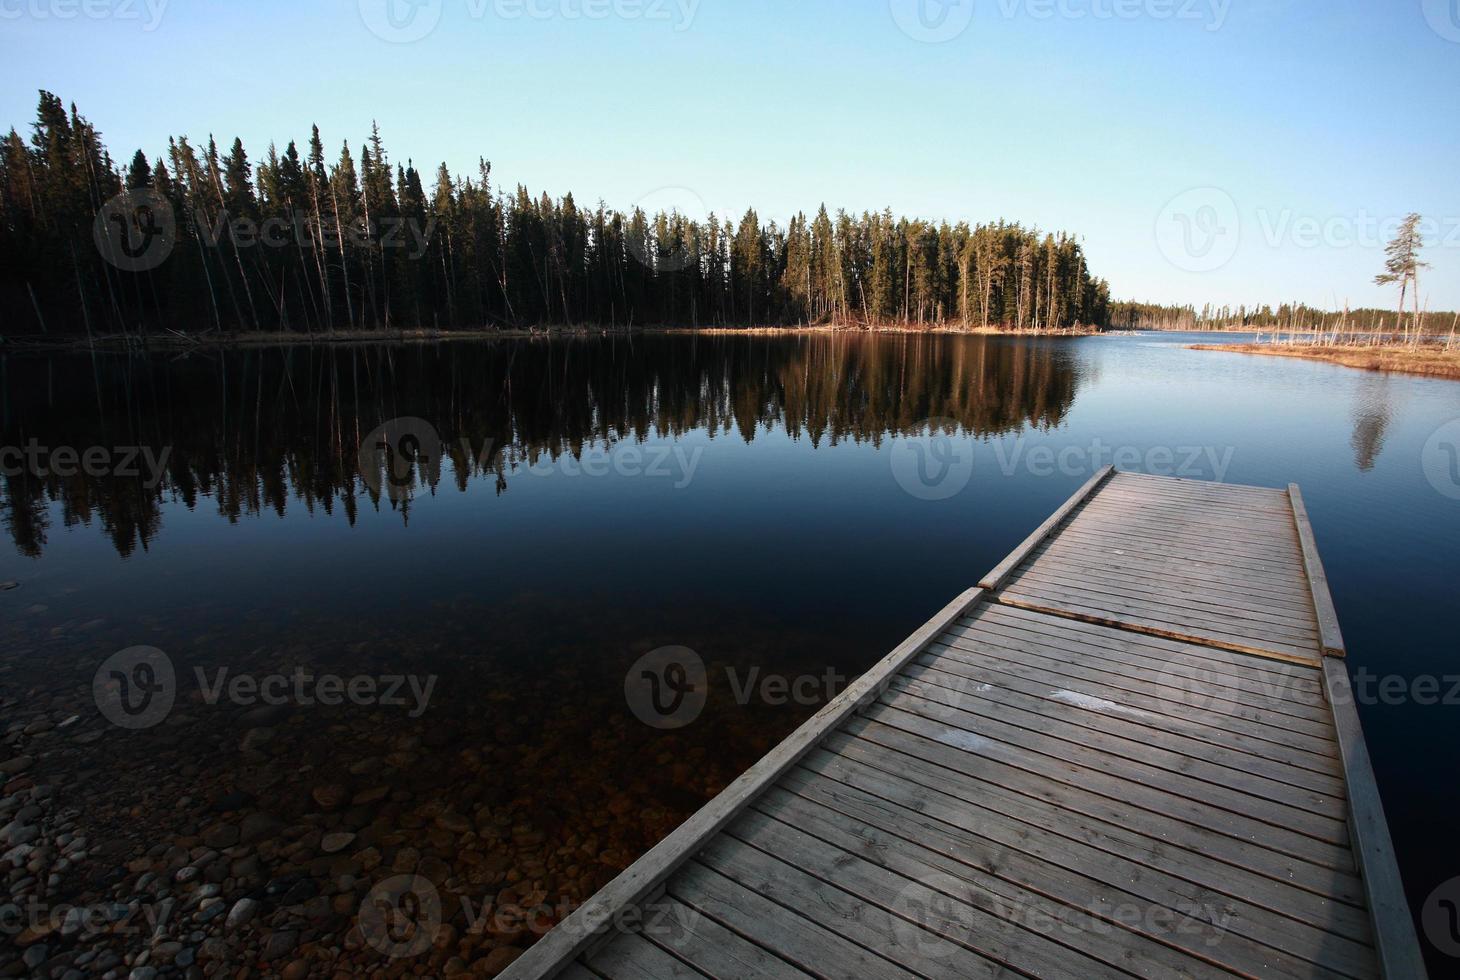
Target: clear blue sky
[{"x": 1312, "y": 121}]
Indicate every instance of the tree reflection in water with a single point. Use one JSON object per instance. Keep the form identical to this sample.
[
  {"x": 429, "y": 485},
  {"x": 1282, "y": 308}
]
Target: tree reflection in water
[{"x": 256, "y": 430}]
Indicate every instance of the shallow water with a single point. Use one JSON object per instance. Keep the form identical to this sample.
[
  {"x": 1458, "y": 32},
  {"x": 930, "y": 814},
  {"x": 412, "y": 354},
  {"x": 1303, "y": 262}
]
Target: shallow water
[{"x": 770, "y": 502}]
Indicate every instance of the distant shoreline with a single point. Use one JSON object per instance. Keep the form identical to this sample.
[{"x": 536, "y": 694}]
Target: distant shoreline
[
  {"x": 1425, "y": 361},
  {"x": 173, "y": 341}
]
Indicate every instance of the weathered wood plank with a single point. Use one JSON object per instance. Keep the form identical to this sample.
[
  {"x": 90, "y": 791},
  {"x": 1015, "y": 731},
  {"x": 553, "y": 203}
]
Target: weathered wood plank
[
  {"x": 1182, "y": 546},
  {"x": 1079, "y": 803},
  {"x": 1299, "y": 679},
  {"x": 1155, "y": 627},
  {"x": 967, "y": 922},
  {"x": 1140, "y": 524},
  {"x": 1206, "y": 698},
  {"x": 1296, "y": 623},
  {"x": 633, "y": 957},
  {"x": 1275, "y": 535},
  {"x": 1292, "y": 688},
  {"x": 1210, "y": 620},
  {"x": 1212, "y": 496},
  {"x": 1124, "y": 946},
  {"x": 1194, "y": 567},
  {"x": 1128, "y": 718},
  {"x": 1177, "y": 579},
  {"x": 1330, "y": 636},
  {"x": 696, "y": 938},
  {"x": 1163, "y": 707},
  {"x": 1394, "y": 935},
  {"x": 1113, "y": 732},
  {"x": 1246, "y": 537},
  {"x": 1150, "y": 945},
  {"x": 1307, "y": 836},
  {"x": 1202, "y": 489},
  {"x": 1030, "y": 822},
  {"x": 1173, "y": 592},
  {"x": 1275, "y": 510},
  {"x": 576, "y": 971},
  {"x": 790, "y": 936}
]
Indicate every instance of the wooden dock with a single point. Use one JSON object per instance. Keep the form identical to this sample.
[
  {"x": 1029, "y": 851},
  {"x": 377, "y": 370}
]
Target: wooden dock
[{"x": 1130, "y": 751}]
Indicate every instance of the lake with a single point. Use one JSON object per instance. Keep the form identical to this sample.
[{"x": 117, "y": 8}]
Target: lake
[{"x": 438, "y": 657}]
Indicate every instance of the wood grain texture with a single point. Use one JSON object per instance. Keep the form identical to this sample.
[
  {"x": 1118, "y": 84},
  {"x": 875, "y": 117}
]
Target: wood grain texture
[
  {"x": 1329, "y": 634},
  {"x": 1394, "y": 934}
]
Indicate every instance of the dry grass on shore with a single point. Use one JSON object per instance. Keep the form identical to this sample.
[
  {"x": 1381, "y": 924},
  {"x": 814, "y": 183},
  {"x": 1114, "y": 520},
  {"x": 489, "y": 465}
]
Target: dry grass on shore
[
  {"x": 1433, "y": 360},
  {"x": 887, "y": 328}
]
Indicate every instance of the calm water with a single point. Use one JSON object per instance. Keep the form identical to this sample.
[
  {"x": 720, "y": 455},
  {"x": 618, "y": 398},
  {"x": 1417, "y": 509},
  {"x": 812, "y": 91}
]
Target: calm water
[{"x": 755, "y": 499}]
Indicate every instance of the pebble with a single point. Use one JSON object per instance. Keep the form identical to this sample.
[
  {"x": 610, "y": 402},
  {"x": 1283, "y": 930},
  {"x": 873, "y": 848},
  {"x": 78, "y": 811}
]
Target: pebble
[
  {"x": 15, "y": 833},
  {"x": 222, "y": 835},
  {"x": 255, "y": 739},
  {"x": 453, "y": 822},
  {"x": 259, "y": 826},
  {"x": 406, "y": 860},
  {"x": 19, "y": 764},
  {"x": 498, "y": 960},
  {"x": 334, "y": 843},
  {"x": 241, "y": 914},
  {"x": 280, "y": 944}
]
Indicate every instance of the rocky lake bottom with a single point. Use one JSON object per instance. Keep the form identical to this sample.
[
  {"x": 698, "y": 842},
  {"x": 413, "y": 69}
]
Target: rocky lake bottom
[{"x": 231, "y": 840}]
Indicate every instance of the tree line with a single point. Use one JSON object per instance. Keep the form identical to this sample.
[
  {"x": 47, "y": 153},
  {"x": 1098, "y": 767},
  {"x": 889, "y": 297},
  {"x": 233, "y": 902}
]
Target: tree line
[
  {"x": 202, "y": 239},
  {"x": 1287, "y": 316}
]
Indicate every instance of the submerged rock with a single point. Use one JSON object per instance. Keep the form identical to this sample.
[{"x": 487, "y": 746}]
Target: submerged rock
[
  {"x": 16, "y": 765},
  {"x": 241, "y": 914},
  {"x": 331, "y": 795},
  {"x": 334, "y": 843}
]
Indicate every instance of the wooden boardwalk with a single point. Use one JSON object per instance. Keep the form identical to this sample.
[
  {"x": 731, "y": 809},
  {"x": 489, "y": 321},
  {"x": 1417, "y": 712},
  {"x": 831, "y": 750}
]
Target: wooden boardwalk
[{"x": 1130, "y": 752}]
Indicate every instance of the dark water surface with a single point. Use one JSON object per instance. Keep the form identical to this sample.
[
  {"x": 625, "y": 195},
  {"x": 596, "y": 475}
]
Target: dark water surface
[{"x": 758, "y": 500}]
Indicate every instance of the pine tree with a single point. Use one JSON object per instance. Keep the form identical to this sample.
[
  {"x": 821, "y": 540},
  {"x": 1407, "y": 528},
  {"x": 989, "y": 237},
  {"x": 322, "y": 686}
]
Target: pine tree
[{"x": 1402, "y": 266}]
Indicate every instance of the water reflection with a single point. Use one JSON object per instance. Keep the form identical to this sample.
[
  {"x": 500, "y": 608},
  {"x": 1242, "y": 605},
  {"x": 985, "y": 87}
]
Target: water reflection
[
  {"x": 1371, "y": 421},
  {"x": 264, "y": 430}
]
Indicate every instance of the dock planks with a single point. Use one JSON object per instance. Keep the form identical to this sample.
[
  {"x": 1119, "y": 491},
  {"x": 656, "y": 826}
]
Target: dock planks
[{"x": 1126, "y": 754}]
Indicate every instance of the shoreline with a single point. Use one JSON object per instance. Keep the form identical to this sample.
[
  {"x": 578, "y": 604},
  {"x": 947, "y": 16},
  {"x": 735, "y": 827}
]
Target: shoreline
[
  {"x": 173, "y": 341},
  {"x": 1423, "y": 361}
]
